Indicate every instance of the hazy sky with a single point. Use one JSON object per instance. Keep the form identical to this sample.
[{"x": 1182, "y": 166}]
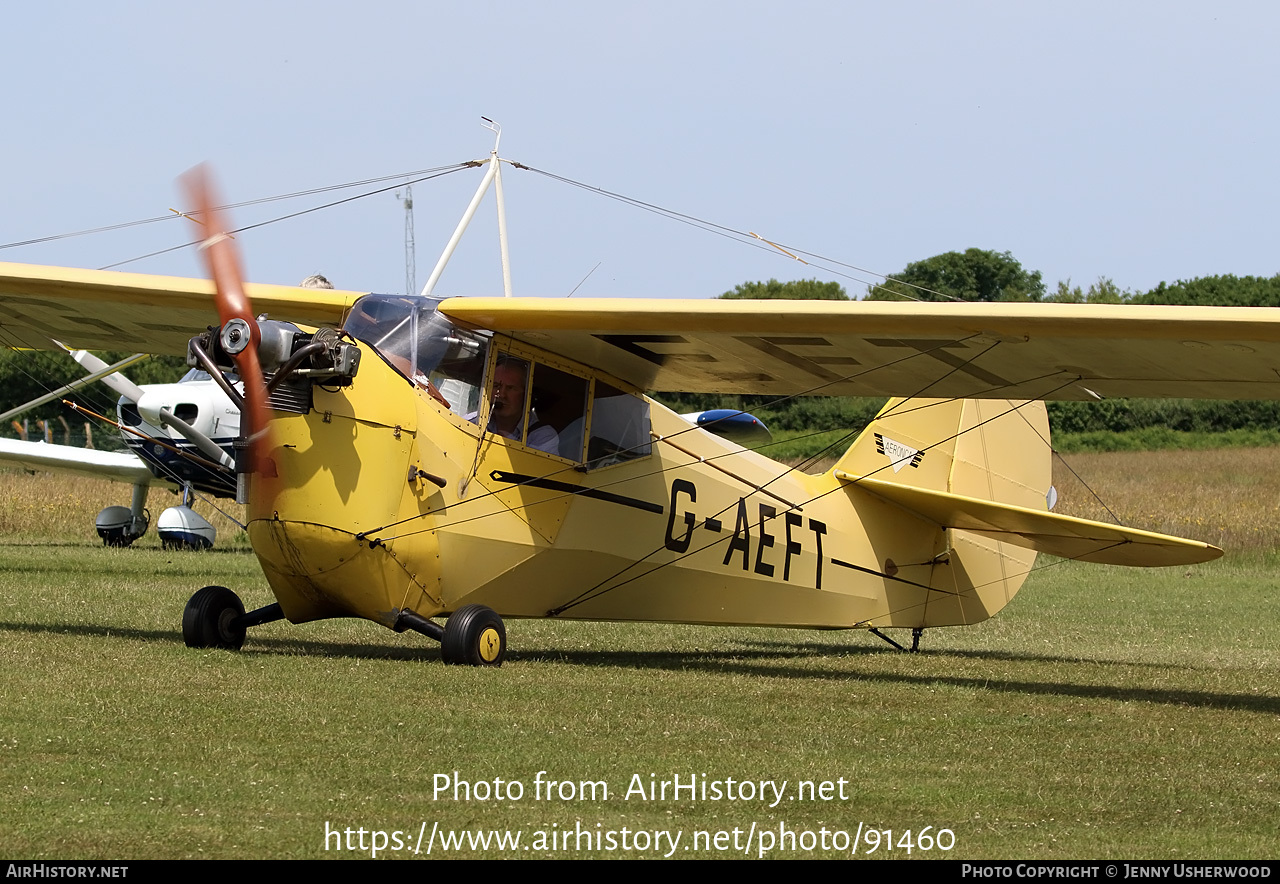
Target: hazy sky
[{"x": 1131, "y": 140}]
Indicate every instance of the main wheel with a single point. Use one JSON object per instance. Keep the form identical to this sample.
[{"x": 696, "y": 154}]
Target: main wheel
[
  {"x": 474, "y": 636},
  {"x": 210, "y": 617}
]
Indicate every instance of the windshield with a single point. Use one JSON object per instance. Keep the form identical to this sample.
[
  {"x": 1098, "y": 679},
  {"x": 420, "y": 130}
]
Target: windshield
[{"x": 421, "y": 343}]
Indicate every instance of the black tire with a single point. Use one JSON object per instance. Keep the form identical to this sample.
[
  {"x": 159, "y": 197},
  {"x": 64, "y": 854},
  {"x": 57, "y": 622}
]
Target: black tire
[
  {"x": 209, "y": 619},
  {"x": 474, "y": 636}
]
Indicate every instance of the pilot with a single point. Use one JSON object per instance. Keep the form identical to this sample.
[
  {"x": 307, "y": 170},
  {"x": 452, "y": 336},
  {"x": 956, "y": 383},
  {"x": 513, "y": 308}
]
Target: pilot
[{"x": 506, "y": 412}]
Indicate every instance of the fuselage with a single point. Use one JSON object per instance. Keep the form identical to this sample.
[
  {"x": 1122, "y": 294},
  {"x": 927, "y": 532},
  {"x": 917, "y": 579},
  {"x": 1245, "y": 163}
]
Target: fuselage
[{"x": 391, "y": 497}]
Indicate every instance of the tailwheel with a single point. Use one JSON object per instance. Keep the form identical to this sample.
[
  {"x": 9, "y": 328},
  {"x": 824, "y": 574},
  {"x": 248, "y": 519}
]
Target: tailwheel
[
  {"x": 474, "y": 636},
  {"x": 212, "y": 619}
]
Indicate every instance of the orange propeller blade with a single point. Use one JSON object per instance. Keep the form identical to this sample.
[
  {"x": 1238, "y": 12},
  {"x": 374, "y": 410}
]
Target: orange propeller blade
[{"x": 223, "y": 261}]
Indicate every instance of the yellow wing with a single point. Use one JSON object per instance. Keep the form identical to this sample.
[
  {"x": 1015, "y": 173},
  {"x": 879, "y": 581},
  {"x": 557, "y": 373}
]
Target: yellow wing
[
  {"x": 105, "y": 310},
  {"x": 859, "y": 348},
  {"x": 835, "y": 348}
]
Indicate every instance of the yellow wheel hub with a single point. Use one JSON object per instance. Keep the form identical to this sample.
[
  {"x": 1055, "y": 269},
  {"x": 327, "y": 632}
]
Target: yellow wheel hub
[{"x": 490, "y": 644}]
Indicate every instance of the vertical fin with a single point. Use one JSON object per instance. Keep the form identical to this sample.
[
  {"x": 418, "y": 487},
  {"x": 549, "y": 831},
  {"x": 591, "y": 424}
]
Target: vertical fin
[{"x": 985, "y": 448}]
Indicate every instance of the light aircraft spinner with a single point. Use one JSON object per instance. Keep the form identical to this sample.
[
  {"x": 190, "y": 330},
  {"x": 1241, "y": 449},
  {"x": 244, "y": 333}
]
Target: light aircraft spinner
[{"x": 388, "y": 477}]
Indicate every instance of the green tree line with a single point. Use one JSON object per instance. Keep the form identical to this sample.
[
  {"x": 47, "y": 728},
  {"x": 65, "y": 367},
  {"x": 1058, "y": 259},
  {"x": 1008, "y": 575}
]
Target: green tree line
[{"x": 29, "y": 374}]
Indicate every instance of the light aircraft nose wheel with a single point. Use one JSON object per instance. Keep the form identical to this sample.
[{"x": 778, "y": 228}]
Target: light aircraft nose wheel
[
  {"x": 211, "y": 619},
  {"x": 474, "y": 636}
]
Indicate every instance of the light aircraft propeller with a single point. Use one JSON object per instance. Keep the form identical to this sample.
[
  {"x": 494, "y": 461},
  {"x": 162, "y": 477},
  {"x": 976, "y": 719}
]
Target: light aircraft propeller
[
  {"x": 215, "y": 615},
  {"x": 239, "y": 336},
  {"x": 238, "y": 348}
]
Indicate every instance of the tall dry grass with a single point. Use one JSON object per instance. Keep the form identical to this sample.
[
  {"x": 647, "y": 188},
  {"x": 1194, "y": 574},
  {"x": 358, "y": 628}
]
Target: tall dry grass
[
  {"x": 52, "y": 506},
  {"x": 1229, "y": 497}
]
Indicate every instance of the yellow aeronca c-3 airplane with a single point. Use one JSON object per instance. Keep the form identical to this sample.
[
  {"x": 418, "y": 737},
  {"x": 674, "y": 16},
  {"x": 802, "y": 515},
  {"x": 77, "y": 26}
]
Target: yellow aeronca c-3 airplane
[{"x": 408, "y": 458}]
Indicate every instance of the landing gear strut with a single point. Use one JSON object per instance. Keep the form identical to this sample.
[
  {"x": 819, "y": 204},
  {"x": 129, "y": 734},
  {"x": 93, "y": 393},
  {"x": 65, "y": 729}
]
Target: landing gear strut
[{"x": 121, "y": 526}]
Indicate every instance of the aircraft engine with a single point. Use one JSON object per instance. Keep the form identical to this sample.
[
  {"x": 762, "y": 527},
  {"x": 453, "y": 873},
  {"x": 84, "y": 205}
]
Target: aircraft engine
[
  {"x": 181, "y": 527},
  {"x": 292, "y": 360},
  {"x": 284, "y": 349}
]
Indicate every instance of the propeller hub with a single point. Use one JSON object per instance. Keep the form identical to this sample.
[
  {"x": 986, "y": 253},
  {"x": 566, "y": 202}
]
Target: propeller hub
[{"x": 236, "y": 335}]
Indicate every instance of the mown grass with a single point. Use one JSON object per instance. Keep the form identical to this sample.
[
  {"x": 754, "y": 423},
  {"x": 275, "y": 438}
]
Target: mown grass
[{"x": 1106, "y": 713}]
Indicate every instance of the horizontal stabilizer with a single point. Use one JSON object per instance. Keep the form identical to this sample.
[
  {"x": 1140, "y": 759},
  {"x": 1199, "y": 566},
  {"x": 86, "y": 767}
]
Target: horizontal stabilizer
[{"x": 1064, "y": 536}]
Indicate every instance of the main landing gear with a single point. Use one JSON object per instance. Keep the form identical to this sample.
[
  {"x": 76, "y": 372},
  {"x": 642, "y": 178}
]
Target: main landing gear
[
  {"x": 215, "y": 618},
  {"x": 472, "y": 636}
]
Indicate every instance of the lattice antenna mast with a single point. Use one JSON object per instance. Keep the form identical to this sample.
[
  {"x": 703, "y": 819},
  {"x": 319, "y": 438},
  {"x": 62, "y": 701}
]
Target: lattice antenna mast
[{"x": 410, "y": 250}]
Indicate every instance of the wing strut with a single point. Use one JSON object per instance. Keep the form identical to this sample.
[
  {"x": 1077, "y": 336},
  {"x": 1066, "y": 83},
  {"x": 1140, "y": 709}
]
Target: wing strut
[
  {"x": 493, "y": 175},
  {"x": 103, "y": 372}
]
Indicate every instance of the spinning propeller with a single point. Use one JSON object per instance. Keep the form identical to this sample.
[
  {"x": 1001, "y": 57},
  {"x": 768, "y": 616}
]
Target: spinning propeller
[{"x": 239, "y": 332}]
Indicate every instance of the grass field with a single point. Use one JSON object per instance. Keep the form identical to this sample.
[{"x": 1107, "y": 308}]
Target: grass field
[{"x": 1106, "y": 713}]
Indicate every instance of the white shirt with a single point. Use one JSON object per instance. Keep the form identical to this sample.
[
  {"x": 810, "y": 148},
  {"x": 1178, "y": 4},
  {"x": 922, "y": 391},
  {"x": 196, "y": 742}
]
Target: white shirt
[{"x": 544, "y": 437}]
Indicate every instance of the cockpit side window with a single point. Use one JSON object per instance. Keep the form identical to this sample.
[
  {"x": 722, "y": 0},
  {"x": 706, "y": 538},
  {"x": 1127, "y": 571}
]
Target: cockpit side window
[
  {"x": 559, "y": 400},
  {"x": 558, "y": 411},
  {"x": 619, "y": 427},
  {"x": 530, "y": 403}
]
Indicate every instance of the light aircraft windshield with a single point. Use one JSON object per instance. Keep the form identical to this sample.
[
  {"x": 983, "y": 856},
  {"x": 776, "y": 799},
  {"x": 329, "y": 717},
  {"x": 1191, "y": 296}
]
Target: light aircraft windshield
[
  {"x": 199, "y": 374},
  {"x": 421, "y": 343}
]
